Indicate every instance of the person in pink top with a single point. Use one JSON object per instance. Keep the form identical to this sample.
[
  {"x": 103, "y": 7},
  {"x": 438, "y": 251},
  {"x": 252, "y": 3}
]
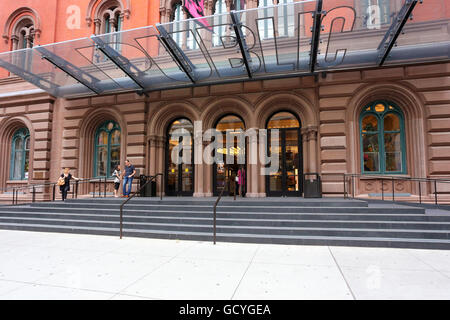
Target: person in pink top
[{"x": 241, "y": 180}]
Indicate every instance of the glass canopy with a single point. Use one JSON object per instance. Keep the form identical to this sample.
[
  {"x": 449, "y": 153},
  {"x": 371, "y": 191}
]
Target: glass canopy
[{"x": 292, "y": 39}]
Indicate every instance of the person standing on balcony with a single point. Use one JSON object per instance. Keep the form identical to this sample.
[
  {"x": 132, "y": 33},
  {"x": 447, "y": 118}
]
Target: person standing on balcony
[
  {"x": 128, "y": 176},
  {"x": 65, "y": 188}
]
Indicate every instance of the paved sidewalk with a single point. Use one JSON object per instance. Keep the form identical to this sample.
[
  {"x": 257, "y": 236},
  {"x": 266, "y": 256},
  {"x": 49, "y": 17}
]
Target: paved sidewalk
[{"x": 37, "y": 265}]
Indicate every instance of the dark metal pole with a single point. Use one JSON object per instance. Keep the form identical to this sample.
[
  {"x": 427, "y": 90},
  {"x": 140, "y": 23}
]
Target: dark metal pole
[
  {"x": 345, "y": 191},
  {"x": 54, "y": 192},
  {"x": 215, "y": 222},
  {"x": 162, "y": 185},
  {"x": 14, "y": 195},
  {"x": 121, "y": 220},
  {"x": 393, "y": 190},
  {"x": 382, "y": 189},
  {"x": 435, "y": 192},
  {"x": 34, "y": 194},
  {"x": 105, "y": 188},
  {"x": 420, "y": 193},
  {"x": 353, "y": 187},
  {"x": 76, "y": 189},
  {"x": 100, "y": 187}
]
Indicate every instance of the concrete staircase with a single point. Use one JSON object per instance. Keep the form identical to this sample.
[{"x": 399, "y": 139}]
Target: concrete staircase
[{"x": 326, "y": 221}]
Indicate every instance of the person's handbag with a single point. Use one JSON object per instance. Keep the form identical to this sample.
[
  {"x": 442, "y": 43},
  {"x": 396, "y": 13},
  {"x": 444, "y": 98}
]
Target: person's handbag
[{"x": 61, "y": 181}]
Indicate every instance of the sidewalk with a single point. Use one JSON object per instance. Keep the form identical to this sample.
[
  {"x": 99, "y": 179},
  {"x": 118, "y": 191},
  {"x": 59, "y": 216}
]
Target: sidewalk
[{"x": 37, "y": 265}]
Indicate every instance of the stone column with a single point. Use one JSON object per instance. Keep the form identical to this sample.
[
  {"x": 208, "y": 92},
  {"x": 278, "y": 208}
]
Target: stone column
[
  {"x": 97, "y": 24},
  {"x": 152, "y": 165},
  {"x": 312, "y": 142},
  {"x": 160, "y": 144},
  {"x": 253, "y": 180},
  {"x": 15, "y": 42},
  {"x": 305, "y": 150},
  {"x": 207, "y": 175},
  {"x": 198, "y": 163},
  {"x": 185, "y": 27}
]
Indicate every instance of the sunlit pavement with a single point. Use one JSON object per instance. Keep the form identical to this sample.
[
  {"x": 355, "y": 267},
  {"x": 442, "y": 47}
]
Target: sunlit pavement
[{"x": 36, "y": 265}]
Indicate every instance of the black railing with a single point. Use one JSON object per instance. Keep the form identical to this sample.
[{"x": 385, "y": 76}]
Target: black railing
[
  {"x": 215, "y": 207},
  {"x": 35, "y": 189},
  {"x": 349, "y": 181},
  {"x": 141, "y": 187}
]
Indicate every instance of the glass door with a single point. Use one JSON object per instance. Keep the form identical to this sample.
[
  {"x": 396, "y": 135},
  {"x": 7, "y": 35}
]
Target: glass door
[
  {"x": 179, "y": 166},
  {"x": 287, "y": 179}
]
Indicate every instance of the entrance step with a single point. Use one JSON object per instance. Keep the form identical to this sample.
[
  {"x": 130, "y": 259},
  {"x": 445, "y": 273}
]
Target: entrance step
[{"x": 292, "y": 221}]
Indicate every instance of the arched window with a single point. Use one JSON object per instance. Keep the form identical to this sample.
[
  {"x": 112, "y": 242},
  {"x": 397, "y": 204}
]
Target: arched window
[
  {"x": 382, "y": 135},
  {"x": 375, "y": 13},
  {"x": 108, "y": 19},
  {"x": 220, "y": 20},
  {"x": 177, "y": 16},
  {"x": 265, "y": 20},
  {"x": 107, "y": 149},
  {"x": 20, "y": 154},
  {"x": 286, "y": 19}
]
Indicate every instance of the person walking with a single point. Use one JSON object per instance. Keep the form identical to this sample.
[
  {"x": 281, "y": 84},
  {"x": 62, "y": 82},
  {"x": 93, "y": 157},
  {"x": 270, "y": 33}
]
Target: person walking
[
  {"x": 116, "y": 174},
  {"x": 65, "y": 188},
  {"x": 128, "y": 176},
  {"x": 241, "y": 180}
]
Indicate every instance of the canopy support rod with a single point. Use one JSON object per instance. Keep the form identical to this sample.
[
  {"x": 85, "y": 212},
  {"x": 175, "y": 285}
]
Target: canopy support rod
[
  {"x": 242, "y": 43},
  {"x": 38, "y": 81},
  {"x": 120, "y": 61},
  {"x": 181, "y": 59},
  {"x": 316, "y": 28},
  {"x": 389, "y": 39},
  {"x": 81, "y": 76}
]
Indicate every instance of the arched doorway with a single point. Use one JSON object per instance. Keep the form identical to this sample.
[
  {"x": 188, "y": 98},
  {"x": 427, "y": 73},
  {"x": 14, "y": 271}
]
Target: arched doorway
[
  {"x": 229, "y": 158},
  {"x": 179, "y": 158},
  {"x": 287, "y": 180}
]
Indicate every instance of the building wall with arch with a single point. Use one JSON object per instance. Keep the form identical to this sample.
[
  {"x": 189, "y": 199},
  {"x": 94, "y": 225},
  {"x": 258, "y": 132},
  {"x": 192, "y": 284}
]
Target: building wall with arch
[{"x": 328, "y": 107}]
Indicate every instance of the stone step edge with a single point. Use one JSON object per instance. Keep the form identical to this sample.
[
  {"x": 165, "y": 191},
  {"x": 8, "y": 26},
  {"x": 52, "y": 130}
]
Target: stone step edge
[
  {"x": 210, "y": 218},
  {"x": 232, "y": 227},
  {"x": 256, "y": 236}
]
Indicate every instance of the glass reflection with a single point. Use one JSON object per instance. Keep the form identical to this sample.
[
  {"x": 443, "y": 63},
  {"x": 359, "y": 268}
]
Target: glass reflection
[{"x": 179, "y": 164}]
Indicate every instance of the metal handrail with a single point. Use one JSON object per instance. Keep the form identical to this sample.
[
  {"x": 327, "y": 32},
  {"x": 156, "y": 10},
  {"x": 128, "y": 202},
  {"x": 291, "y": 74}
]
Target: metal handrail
[
  {"x": 53, "y": 185},
  {"x": 350, "y": 178},
  {"x": 135, "y": 193},
  {"x": 215, "y": 210}
]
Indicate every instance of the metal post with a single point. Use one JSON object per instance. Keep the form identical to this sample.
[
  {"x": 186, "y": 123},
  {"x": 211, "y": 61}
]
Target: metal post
[
  {"x": 435, "y": 192},
  {"x": 420, "y": 193},
  {"x": 93, "y": 191},
  {"x": 393, "y": 190},
  {"x": 382, "y": 189},
  {"x": 215, "y": 222},
  {"x": 54, "y": 192},
  {"x": 76, "y": 189},
  {"x": 14, "y": 195},
  {"x": 162, "y": 185},
  {"x": 34, "y": 194},
  {"x": 353, "y": 187},
  {"x": 345, "y": 191},
  {"x": 99, "y": 187},
  {"x": 105, "y": 188}
]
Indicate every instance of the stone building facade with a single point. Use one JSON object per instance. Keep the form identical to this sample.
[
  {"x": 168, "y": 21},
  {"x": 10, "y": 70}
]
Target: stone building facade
[{"x": 328, "y": 107}]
